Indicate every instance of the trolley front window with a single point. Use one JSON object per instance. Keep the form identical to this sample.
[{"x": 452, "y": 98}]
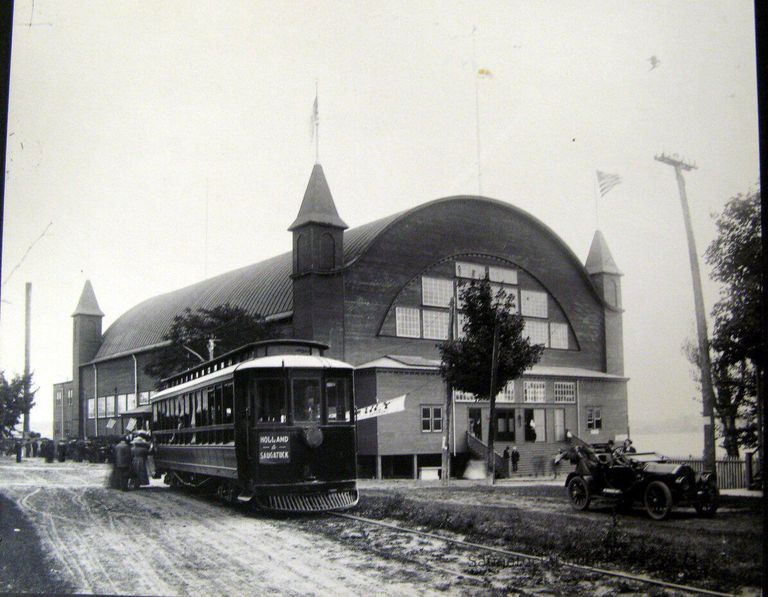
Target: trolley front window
[
  {"x": 268, "y": 397},
  {"x": 337, "y": 395},
  {"x": 306, "y": 400}
]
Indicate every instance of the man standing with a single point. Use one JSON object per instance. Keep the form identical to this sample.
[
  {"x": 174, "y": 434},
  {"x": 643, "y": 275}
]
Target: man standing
[
  {"x": 120, "y": 470},
  {"x": 515, "y": 458}
]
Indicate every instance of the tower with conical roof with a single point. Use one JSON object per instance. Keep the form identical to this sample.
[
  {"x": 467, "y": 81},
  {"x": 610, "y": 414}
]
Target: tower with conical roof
[
  {"x": 318, "y": 254},
  {"x": 606, "y": 277},
  {"x": 86, "y": 340}
]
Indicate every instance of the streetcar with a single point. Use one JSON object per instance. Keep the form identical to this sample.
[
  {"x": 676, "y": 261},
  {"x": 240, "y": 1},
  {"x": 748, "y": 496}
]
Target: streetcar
[{"x": 271, "y": 423}]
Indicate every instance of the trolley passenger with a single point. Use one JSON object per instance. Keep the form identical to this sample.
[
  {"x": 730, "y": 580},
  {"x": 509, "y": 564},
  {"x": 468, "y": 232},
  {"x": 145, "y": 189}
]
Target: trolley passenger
[{"x": 139, "y": 451}]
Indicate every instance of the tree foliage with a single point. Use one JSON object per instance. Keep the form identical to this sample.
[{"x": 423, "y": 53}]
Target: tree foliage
[
  {"x": 466, "y": 361},
  {"x": 736, "y": 260},
  {"x": 13, "y": 401},
  {"x": 190, "y": 333}
]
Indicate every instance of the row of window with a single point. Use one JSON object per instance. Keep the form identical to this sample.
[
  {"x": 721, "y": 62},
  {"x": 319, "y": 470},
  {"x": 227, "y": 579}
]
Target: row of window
[
  {"x": 534, "y": 391},
  {"x": 111, "y": 406},
  {"x": 190, "y": 418},
  {"x": 69, "y": 396}
]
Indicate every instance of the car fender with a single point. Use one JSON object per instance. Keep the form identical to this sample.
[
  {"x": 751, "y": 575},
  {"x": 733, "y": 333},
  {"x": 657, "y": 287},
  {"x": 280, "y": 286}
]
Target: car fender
[{"x": 587, "y": 479}]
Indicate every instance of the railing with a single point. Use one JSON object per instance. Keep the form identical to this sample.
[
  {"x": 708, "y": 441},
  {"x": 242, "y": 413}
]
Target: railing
[
  {"x": 730, "y": 472},
  {"x": 479, "y": 448}
]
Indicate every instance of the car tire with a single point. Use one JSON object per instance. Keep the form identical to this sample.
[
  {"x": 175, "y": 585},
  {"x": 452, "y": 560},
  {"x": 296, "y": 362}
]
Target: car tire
[
  {"x": 658, "y": 500},
  {"x": 578, "y": 493}
]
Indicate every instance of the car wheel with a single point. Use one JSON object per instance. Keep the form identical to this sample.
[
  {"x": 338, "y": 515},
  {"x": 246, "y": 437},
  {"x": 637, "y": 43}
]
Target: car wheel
[
  {"x": 578, "y": 492},
  {"x": 707, "y": 505},
  {"x": 658, "y": 500}
]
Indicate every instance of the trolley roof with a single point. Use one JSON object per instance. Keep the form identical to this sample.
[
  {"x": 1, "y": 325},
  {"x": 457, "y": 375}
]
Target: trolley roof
[{"x": 290, "y": 361}]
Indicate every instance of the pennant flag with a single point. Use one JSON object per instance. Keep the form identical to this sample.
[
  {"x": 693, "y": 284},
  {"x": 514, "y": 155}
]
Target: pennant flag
[
  {"x": 315, "y": 118},
  {"x": 387, "y": 407},
  {"x": 607, "y": 181},
  {"x": 484, "y": 72}
]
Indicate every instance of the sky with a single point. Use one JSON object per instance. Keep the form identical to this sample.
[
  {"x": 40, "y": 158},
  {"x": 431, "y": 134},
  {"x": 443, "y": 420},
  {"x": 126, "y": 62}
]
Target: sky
[{"x": 155, "y": 143}]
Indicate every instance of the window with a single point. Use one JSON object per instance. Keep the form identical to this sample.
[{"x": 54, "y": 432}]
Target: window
[
  {"x": 460, "y": 396},
  {"x": 535, "y": 391},
  {"x": 436, "y": 324},
  {"x": 110, "y": 405},
  {"x": 505, "y": 425},
  {"x": 408, "y": 322},
  {"x": 559, "y": 424},
  {"x": 337, "y": 396},
  {"x": 509, "y": 293},
  {"x": 558, "y": 333},
  {"x": 470, "y": 270},
  {"x": 306, "y": 400},
  {"x": 58, "y": 396},
  {"x": 436, "y": 292},
  {"x": 594, "y": 418},
  {"x": 535, "y": 425},
  {"x": 565, "y": 392},
  {"x": 122, "y": 403},
  {"x": 537, "y": 331},
  {"x": 533, "y": 303},
  {"x": 461, "y": 319},
  {"x": 130, "y": 402},
  {"x": 91, "y": 408},
  {"x": 101, "y": 406},
  {"x": 69, "y": 397},
  {"x": 502, "y": 274},
  {"x": 507, "y": 394},
  {"x": 144, "y": 397},
  {"x": 431, "y": 419}
]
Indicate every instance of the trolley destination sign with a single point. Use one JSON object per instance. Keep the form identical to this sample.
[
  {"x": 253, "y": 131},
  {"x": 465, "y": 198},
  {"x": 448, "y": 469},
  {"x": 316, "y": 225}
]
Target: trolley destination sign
[{"x": 274, "y": 448}]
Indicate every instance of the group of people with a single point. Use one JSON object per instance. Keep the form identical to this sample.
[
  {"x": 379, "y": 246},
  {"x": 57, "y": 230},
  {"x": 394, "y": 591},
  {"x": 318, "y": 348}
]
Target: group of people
[{"x": 133, "y": 461}]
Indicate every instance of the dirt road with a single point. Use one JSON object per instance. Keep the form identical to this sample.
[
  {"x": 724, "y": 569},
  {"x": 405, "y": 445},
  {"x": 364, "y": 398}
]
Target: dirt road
[{"x": 163, "y": 542}]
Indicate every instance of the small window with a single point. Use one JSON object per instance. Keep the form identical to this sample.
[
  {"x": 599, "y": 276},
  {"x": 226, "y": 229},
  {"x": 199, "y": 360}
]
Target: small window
[
  {"x": 537, "y": 331},
  {"x": 436, "y": 292},
  {"x": 558, "y": 333},
  {"x": 565, "y": 392},
  {"x": 502, "y": 274},
  {"x": 306, "y": 400},
  {"x": 533, "y": 303},
  {"x": 431, "y": 419},
  {"x": 101, "y": 406},
  {"x": 507, "y": 394},
  {"x": 535, "y": 391},
  {"x": 436, "y": 324},
  {"x": 594, "y": 418},
  {"x": 58, "y": 396},
  {"x": 337, "y": 396},
  {"x": 144, "y": 397},
  {"x": 470, "y": 270},
  {"x": 408, "y": 322},
  {"x": 91, "y": 408},
  {"x": 122, "y": 403}
]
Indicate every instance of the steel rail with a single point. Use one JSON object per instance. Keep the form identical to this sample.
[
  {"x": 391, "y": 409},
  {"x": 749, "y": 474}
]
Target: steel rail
[{"x": 527, "y": 556}]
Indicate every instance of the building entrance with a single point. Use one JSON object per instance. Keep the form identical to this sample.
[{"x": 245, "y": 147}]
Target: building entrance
[{"x": 475, "y": 424}]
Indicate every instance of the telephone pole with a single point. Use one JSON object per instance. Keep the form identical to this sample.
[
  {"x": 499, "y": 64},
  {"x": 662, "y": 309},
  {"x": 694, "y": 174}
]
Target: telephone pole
[
  {"x": 27, "y": 345},
  {"x": 707, "y": 391}
]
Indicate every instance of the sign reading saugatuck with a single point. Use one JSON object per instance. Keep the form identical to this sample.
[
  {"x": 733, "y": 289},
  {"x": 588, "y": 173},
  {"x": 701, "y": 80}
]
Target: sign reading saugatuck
[{"x": 274, "y": 449}]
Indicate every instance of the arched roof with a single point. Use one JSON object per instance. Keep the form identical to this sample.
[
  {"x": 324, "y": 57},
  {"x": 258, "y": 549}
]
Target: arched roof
[{"x": 264, "y": 288}]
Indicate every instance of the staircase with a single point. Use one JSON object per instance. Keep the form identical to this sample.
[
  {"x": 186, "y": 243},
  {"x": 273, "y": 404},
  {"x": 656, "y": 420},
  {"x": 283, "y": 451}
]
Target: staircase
[{"x": 479, "y": 450}]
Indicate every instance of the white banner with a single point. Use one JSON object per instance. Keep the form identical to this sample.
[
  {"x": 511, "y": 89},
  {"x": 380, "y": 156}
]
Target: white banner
[{"x": 395, "y": 405}]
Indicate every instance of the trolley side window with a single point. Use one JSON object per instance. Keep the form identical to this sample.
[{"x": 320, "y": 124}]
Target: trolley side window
[
  {"x": 306, "y": 400},
  {"x": 337, "y": 396},
  {"x": 268, "y": 399}
]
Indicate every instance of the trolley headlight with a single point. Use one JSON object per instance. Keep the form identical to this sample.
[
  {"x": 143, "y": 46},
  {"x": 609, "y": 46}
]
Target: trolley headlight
[{"x": 683, "y": 482}]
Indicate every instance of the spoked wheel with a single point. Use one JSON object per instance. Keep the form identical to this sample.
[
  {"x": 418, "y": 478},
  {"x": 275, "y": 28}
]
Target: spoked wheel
[
  {"x": 578, "y": 492},
  {"x": 658, "y": 500},
  {"x": 707, "y": 505}
]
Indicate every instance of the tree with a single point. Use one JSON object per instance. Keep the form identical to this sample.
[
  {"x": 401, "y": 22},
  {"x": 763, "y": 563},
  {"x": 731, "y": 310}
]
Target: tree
[
  {"x": 192, "y": 334},
  {"x": 735, "y": 256},
  {"x": 467, "y": 362},
  {"x": 14, "y": 401}
]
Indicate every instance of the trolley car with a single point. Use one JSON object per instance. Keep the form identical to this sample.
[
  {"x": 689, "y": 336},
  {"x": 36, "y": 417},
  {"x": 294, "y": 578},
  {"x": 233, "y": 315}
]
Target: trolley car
[{"x": 271, "y": 423}]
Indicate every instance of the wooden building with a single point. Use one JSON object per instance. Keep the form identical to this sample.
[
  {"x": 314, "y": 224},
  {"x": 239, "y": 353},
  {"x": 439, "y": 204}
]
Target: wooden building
[{"x": 378, "y": 295}]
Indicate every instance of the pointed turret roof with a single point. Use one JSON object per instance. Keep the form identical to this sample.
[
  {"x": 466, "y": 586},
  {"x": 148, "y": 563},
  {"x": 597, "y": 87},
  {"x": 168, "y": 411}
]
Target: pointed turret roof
[
  {"x": 88, "y": 305},
  {"x": 600, "y": 260},
  {"x": 317, "y": 206}
]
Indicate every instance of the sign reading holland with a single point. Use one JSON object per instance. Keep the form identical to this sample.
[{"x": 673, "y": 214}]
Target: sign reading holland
[{"x": 387, "y": 407}]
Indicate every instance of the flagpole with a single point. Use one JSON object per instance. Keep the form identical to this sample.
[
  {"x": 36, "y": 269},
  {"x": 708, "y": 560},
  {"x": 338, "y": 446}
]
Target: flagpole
[
  {"x": 477, "y": 110},
  {"x": 317, "y": 128},
  {"x": 597, "y": 202}
]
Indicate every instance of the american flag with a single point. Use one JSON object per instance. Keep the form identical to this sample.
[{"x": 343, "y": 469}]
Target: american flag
[{"x": 607, "y": 181}]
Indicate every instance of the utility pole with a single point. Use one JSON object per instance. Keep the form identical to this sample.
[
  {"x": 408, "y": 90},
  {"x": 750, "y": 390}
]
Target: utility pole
[
  {"x": 446, "y": 460},
  {"x": 27, "y": 344},
  {"x": 492, "y": 401},
  {"x": 707, "y": 391}
]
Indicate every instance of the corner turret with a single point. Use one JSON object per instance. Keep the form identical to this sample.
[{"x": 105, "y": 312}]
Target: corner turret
[{"x": 86, "y": 340}]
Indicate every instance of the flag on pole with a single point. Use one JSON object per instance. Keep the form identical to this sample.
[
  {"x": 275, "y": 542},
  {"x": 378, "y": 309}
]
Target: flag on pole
[
  {"x": 315, "y": 118},
  {"x": 606, "y": 182}
]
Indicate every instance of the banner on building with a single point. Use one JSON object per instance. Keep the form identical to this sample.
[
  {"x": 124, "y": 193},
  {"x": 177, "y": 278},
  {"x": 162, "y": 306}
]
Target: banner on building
[{"x": 394, "y": 405}]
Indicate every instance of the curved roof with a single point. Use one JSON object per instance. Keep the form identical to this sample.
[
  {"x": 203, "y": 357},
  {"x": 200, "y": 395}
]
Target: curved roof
[{"x": 264, "y": 288}]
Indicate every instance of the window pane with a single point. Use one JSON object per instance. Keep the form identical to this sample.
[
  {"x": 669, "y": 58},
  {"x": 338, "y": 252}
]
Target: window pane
[
  {"x": 565, "y": 392},
  {"x": 408, "y": 322},
  {"x": 507, "y": 393},
  {"x": 306, "y": 400},
  {"x": 535, "y": 391},
  {"x": 102, "y": 406},
  {"x": 268, "y": 397},
  {"x": 110, "y": 405},
  {"x": 436, "y": 292},
  {"x": 228, "y": 397},
  {"x": 559, "y": 425},
  {"x": 425, "y": 413},
  {"x": 558, "y": 333},
  {"x": 91, "y": 408},
  {"x": 337, "y": 394},
  {"x": 502, "y": 274},
  {"x": 436, "y": 324},
  {"x": 537, "y": 331},
  {"x": 533, "y": 303},
  {"x": 470, "y": 270}
]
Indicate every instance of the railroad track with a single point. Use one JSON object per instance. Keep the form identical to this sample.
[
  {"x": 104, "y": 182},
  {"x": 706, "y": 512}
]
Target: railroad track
[{"x": 526, "y": 556}]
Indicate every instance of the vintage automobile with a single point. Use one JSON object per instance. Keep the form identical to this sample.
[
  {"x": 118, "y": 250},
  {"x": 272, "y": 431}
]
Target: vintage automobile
[{"x": 630, "y": 478}]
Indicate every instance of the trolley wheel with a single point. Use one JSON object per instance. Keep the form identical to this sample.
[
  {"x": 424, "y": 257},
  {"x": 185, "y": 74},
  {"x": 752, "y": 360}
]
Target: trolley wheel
[
  {"x": 578, "y": 492},
  {"x": 658, "y": 500}
]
